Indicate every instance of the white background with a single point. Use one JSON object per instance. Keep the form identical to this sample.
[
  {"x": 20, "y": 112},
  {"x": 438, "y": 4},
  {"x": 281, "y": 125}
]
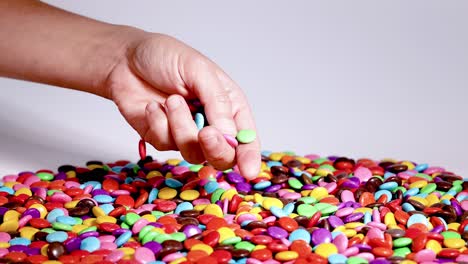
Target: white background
[{"x": 355, "y": 78}]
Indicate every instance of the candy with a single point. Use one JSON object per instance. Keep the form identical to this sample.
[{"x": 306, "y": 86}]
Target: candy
[
  {"x": 298, "y": 210},
  {"x": 246, "y": 136}
]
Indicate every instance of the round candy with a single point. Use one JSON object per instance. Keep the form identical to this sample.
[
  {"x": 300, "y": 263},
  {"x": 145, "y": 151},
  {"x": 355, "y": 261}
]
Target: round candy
[{"x": 246, "y": 136}]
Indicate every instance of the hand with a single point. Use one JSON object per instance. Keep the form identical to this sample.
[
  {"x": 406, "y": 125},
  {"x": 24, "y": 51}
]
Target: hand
[{"x": 149, "y": 86}]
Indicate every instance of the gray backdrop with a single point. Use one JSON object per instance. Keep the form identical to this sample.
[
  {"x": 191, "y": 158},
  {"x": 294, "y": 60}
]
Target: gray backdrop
[{"x": 355, "y": 78}]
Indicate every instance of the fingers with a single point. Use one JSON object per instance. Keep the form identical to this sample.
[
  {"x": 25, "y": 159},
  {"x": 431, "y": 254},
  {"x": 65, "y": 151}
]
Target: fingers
[
  {"x": 183, "y": 129},
  {"x": 247, "y": 155},
  {"x": 215, "y": 148},
  {"x": 159, "y": 133}
]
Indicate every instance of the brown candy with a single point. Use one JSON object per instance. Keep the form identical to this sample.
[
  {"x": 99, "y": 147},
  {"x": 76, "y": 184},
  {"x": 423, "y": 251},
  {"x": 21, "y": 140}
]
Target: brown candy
[{"x": 55, "y": 250}]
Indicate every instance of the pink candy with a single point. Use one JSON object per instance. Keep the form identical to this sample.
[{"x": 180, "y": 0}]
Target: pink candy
[{"x": 363, "y": 173}]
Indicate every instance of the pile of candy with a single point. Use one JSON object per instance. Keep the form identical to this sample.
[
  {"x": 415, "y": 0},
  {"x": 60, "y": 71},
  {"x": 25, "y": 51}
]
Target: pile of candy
[{"x": 300, "y": 209}]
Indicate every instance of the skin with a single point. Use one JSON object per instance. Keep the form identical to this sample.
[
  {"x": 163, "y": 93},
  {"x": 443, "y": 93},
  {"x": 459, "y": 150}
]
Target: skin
[{"x": 147, "y": 75}]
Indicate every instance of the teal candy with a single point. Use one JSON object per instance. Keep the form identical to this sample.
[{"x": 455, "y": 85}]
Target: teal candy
[
  {"x": 199, "y": 121},
  {"x": 262, "y": 185},
  {"x": 91, "y": 244},
  {"x": 337, "y": 259},
  {"x": 383, "y": 192},
  {"x": 153, "y": 195},
  {"x": 211, "y": 186},
  {"x": 390, "y": 186},
  {"x": 417, "y": 218},
  {"x": 95, "y": 184},
  {"x": 184, "y": 206},
  {"x": 274, "y": 163},
  {"x": 412, "y": 192},
  {"x": 103, "y": 198},
  {"x": 421, "y": 167},
  {"x": 52, "y": 215},
  {"x": 59, "y": 236},
  {"x": 7, "y": 190},
  {"x": 408, "y": 207},
  {"x": 107, "y": 208},
  {"x": 367, "y": 217},
  {"x": 19, "y": 241},
  {"x": 64, "y": 219},
  {"x": 288, "y": 208},
  {"x": 122, "y": 239},
  {"x": 299, "y": 234},
  {"x": 278, "y": 212},
  {"x": 173, "y": 183}
]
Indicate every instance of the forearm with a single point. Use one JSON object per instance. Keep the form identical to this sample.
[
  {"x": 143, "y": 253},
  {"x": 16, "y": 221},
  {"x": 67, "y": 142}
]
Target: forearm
[{"x": 41, "y": 43}]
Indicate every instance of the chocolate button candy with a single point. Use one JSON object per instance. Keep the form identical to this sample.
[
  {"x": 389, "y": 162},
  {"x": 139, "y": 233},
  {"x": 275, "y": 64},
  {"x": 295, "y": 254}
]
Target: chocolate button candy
[{"x": 55, "y": 250}]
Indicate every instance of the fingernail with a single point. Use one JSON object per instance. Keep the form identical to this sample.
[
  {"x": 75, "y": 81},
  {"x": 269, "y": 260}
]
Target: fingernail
[
  {"x": 173, "y": 102},
  {"x": 152, "y": 106}
]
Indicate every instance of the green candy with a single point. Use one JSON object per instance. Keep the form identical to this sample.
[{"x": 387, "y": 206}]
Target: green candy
[
  {"x": 320, "y": 160},
  {"x": 295, "y": 183},
  {"x": 450, "y": 234},
  {"x": 144, "y": 231},
  {"x": 131, "y": 218},
  {"x": 61, "y": 226},
  {"x": 78, "y": 220},
  {"x": 89, "y": 229},
  {"x": 162, "y": 237},
  {"x": 178, "y": 236},
  {"x": 48, "y": 230},
  {"x": 401, "y": 252},
  {"x": 316, "y": 178},
  {"x": 325, "y": 208},
  {"x": 402, "y": 242},
  {"x": 327, "y": 167},
  {"x": 306, "y": 210},
  {"x": 246, "y": 136},
  {"x": 157, "y": 214},
  {"x": 45, "y": 176},
  {"x": 245, "y": 245},
  {"x": 308, "y": 200},
  {"x": 457, "y": 182},
  {"x": 149, "y": 237},
  {"x": 125, "y": 226},
  {"x": 231, "y": 240},
  {"x": 456, "y": 188},
  {"x": 429, "y": 188},
  {"x": 216, "y": 195},
  {"x": 356, "y": 260},
  {"x": 195, "y": 167},
  {"x": 289, "y": 153},
  {"x": 423, "y": 175},
  {"x": 227, "y": 171},
  {"x": 50, "y": 192}
]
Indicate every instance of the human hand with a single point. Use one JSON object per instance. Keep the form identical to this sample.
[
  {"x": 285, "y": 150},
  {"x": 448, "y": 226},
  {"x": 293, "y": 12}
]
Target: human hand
[{"x": 150, "y": 84}]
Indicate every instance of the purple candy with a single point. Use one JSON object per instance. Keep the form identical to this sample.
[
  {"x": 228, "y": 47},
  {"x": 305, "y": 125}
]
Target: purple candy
[
  {"x": 350, "y": 184},
  {"x": 320, "y": 236},
  {"x": 309, "y": 187},
  {"x": 89, "y": 234},
  {"x": 273, "y": 188},
  {"x": 438, "y": 229},
  {"x": 456, "y": 206},
  {"x": 191, "y": 230},
  {"x": 73, "y": 244},
  {"x": 353, "y": 217},
  {"x": 119, "y": 231},
  {"x": 33, "y": 212},
  {"x": 155, "y": 224},
  {"x": 153, "y": 246},
  {"x": 60, "y": 176},
  {"x": 3, "y": 210},
  {"x": 18, "y": 248},
  {"x": 166, "y": 168},
  {"x": 380, "y": 261},
  {"x": 32, "y": 251},
  {"x": 363, "y": 247},
  {"x": 277, "y": 232},
  {"x": 234, "y": 177},
  {"x": 243, "y": 187},
  {"x": 335, "y": 221},
  {"x": 99, "y": 192}
]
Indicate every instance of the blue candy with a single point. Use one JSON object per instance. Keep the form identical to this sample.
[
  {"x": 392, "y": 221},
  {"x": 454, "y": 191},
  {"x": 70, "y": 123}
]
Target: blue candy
[
  {"x": 421, "y": 167},
  {"x": 123, "y": 238},
  {"x": 408, "y": 207},
  {"x": 417, "y": 218},
  {"x": 184, "y": 206},
  {"x": 337, "y": 259},
  {"x": 278, "y": 212},
  {"x": 153, "y": 195},
  {"x": 58, "y": 236},
  {"x": 107, "y": 208},
  {"x": 64, "y": 219},
  {"x": 390, "y": 186},
  {"x": 19, "y": 241},
  {"x": 289, "y": 208},
  {"x": 199, "y": 121},
  {"x": 103, "y": 198},
  {"x": 52, "y": 215},
  {"x": 173, "y": 183},
  {"x": 91, "y": 244},
  {"x": 299, "y": 234},
  {"x": 383, "y": 192},
  {"x": 262, "y": 185},
  {"x": 211, "y": 186}
]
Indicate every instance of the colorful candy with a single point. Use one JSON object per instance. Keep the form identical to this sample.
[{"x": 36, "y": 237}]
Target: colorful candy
[{"x": 298, "y": 210}]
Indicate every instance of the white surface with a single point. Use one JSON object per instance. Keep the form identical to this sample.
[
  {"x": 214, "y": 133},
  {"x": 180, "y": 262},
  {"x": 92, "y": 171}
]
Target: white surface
[{"x": 355, "y": 78}]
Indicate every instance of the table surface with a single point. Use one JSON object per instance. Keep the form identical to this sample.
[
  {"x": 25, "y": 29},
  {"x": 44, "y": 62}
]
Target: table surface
[{"x": 359, "y": 79}]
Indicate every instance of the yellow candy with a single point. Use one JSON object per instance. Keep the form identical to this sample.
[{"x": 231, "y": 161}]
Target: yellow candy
[
  {"x": 432, "y": 199},
  {"x": 44, "y": 250},
  {"x": 203, "y": 247},
  {"x": 169, "y": 175},
  {"x": 255, "y": 210},
  {"x": 453, "y": 226},
  {"x": 106, "y": 219},
  {"x": 353, "y": 225},
  {"x": 90, "y": 222},
  {"x": 319, "y": 193},
  {"x": 71, "y": 204},
  {"x": 51, "y": 262},
  {"x": 28, "y": 232},
  {"x": 97, "y": 211},
  {"x": 42, "y": 210},
  {"x": 159, "y": 230},
  {"x": 127, "y": 251},
  {"x": 149, "y": 217},
  {"x": 409, "y": 164},
  {"x": 4, "y": 245},
  {"x": 418, "y": 184},
  {"x": 167, "y": 193},
  {"x": 258, "y": 198},
  {"x": 94, "y": 166},
  {"x": 322, "y": 172},
  {"x": 264, "y": 167},
  {"x": 26, "y": 191},
  {"x": 9, "y": 226},
  {"x": 408, "y": 262},
  {"x": 292, "y": 215},
  {"x": 10, "y": 184},
  {"x": 11, "y": 215},
  {"x": 286, "y": 255},
  {"x": 78, "y": 228},
  {"x": 70, "y": 174},
  {"x": 389, "y": 219},
  {"x": 269, "y": 202},
  {"x": 340, "y": 228},
  {"x": 454, "y": 242},
  {"x": 305, "y": 193},
  {"x": 214, "y": 209},
  {"x": 225, "y": 233},
  {"x": 434, "y": 246},
  {"x": 446, "y": 197},
  {"x": 420, "y": 199},
  {"x": 350, "y": 232},
  {"x": 258, "y": 247},
  {"x": 153, "y": 174},
  {"x": 173, "y": 162},
  {"x": 326, "y": 249},
  {"x": 311, "y": 170},
  {"x": 264, "y": 174},
  {"x": 228, "y": 194},
  {"x": 276, "y": 156},
  {"x": 363, "y": 210},
  {"x": 200, "y": 207},
  {"x": 247, "y": 198},
  {"x": 189, "y": 195},
  {"x": 179, "y": 260},
  {"x": 303, "y": 160}
]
